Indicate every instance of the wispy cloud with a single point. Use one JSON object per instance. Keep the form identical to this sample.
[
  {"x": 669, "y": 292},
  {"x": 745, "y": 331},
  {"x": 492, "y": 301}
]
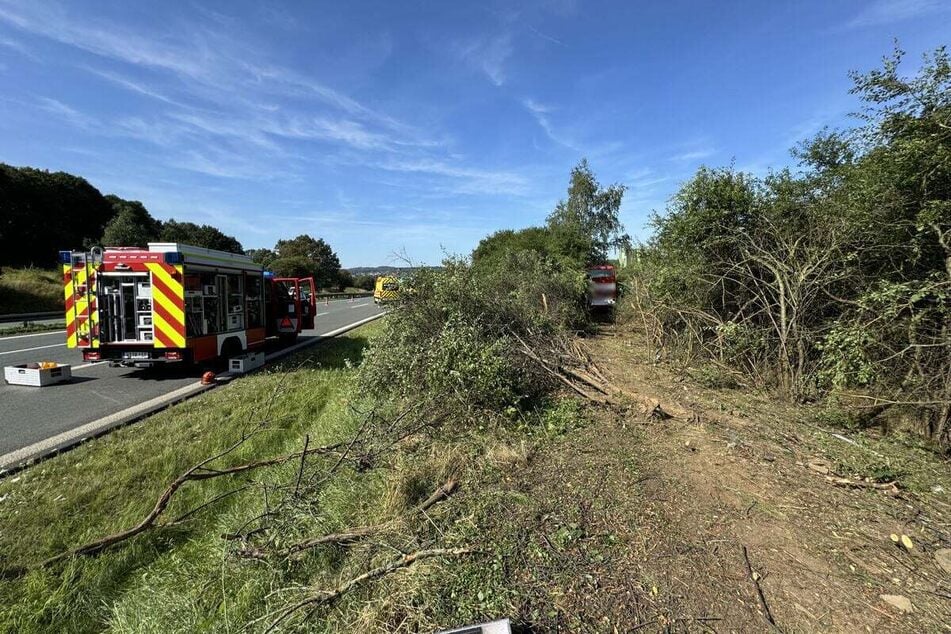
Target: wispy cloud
[
  {"x": 64, "y": 111},
  {"x": 545, "y": 36},
  {"x": 133, "y": 86},
  {"x": 541, "y": 113},
  {"x": 882, "y": 12},
  {"x": 693, "y": 155},
  {"x": 464, "y": 180},
  {"x": 489, "y": 55},
  {"x": 13, "y": 44}
]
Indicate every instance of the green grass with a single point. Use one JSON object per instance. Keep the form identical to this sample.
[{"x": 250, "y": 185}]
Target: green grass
[
  {"x": 110, "y": 483},
  {"x": 30, "y": 290},
  {"x": 188, "y": 579},
  {"x": 8, "y": 329}
]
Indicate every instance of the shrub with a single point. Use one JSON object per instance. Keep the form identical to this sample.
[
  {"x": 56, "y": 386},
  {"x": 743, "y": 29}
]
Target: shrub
[{"x": 452, "y": 342}]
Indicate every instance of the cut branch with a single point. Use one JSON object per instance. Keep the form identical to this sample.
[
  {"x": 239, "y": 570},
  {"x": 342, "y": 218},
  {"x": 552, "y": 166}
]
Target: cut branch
[
  {"x": 195, "y": 473},
  {"x": 321, "y": 597},
  {"x": 355, "y": 534}
]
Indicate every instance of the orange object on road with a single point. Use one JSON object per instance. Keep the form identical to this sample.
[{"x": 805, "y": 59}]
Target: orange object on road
[{"x": 207, "y": 378}]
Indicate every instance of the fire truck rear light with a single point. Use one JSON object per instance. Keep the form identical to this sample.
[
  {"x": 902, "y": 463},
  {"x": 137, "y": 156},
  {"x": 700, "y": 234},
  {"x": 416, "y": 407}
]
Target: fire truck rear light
[
  {"x": 173, "y": 355},
  {"x": 90, "y": 355}
]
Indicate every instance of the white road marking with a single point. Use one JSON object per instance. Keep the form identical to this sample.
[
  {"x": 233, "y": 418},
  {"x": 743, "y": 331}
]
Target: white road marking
[
  {"x": 55, "y": 345},
  {"x": 67, "y": 438},
  {"x": 35, "y": 334}
]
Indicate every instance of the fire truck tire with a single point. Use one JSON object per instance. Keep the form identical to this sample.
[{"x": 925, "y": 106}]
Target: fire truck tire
[{"x": 288, "y": 338}]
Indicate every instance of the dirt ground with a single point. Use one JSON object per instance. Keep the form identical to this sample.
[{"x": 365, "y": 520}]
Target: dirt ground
[{"x": 734, "y": 514}]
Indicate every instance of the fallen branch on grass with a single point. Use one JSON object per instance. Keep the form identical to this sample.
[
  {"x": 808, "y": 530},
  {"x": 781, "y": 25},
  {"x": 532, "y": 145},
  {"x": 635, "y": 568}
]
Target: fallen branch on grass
[
  {"x": 888, "y": 487},
  {"x": 321, "y": 597},
  {"x": 198, "y": 472},
  {"x": 355, "y": 534},
  {"x": 824, "y": 468},
  {"x": 559, "y": 373}
]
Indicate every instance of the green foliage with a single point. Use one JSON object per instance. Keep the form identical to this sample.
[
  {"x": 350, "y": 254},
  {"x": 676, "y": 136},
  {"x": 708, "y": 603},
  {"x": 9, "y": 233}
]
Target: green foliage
[
  {"x": 324, "y": 263},
  {"x": 587, "y": 225},
  {"x": 562, "y": 416},
  {"x": 199, "y": 235},
  {"x": 453, "y": 338},
  {"x": 836, "y": 278},
  {"x": 344, "y": 279},
  {"x": 845, "y": 360},
  {"x": 30, "y": 290},
  {"x": 42, "y": 213},
  {"x": 264, "y": 257},
  {"x": 132, "y": 225},
  {"x": 366, "y": 282},
  {"x": 292, "y": 266}
]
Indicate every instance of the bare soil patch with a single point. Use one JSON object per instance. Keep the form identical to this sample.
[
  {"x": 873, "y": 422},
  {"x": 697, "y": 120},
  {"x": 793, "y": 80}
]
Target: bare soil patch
[{"x": 735, "y": 483}]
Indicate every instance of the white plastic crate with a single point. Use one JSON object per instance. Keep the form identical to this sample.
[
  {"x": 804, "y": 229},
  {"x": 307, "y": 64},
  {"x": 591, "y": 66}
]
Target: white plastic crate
[
  {"x": 246, "y": 362},
  {"x": 37, "y": 377}
]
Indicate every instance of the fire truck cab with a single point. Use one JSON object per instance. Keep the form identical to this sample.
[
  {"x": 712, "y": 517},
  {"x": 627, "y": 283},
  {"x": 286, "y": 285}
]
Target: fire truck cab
[{"x": 176, "y": 302}]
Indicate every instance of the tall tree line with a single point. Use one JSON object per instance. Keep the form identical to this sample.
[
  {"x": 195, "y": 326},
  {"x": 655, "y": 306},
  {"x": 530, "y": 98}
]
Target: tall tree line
[{"x": 42, "y": 213}]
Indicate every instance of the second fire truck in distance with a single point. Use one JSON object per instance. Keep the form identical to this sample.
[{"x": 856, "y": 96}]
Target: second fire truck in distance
[{"x": 602, "y": 286}]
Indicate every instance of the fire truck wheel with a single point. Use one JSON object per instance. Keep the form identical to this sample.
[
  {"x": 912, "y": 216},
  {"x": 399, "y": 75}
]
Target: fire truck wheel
[{"x": 288, "y": 338}]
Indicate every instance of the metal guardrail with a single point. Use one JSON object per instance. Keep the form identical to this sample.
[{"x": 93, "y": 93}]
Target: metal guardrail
[
  {"x": 27, "y": 317},
  {"x": 343, "y": 295}
]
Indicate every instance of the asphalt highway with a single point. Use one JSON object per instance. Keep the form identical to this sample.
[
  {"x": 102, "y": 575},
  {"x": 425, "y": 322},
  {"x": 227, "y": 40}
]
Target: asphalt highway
[{"x": 29, "y": 415}]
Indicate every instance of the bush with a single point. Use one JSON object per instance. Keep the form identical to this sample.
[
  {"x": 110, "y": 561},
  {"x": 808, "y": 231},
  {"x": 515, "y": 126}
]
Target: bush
[{"x": 452, "y": 342}]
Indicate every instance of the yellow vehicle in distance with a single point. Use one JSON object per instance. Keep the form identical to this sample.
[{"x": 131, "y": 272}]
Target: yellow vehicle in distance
[{"x": 387, "y": 289}]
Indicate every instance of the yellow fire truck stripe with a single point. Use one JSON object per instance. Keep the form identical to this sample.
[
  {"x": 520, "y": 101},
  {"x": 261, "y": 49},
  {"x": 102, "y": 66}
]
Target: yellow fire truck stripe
[
  {"x": 171, "y": 303},
  {"x": 159, "y": 271},
  {"x": 71, "y": 313},
  {"x": 81, "y": 305},
  {"x": 168, "y": 331}
]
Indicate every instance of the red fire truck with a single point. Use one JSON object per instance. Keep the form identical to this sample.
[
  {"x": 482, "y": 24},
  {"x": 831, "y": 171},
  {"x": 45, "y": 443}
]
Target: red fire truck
[
  {"x": 175, "y": 302},
  {"x": 602, "y": 286}
]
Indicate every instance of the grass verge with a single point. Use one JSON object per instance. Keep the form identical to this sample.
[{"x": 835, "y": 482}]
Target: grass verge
[
  {"x": 110, "y": 483},
  {"x": 187, "y": 578},
  {"x": 7, "y": 330},
  {"x": 30, "y": 290}
]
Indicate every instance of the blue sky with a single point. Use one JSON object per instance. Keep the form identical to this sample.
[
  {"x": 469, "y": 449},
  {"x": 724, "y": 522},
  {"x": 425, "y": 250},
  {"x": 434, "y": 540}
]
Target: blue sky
[{"x": 423, "y": 126}]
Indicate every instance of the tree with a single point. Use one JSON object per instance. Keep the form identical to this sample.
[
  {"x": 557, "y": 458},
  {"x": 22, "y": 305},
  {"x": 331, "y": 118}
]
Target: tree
[
  {"x": 539, "y": 239},
  {"x": 588, "y": 220},
  {"x": 366, "y": 282},
  {"x": 199, "y": 235},
  {"x": 325, "y": 263},
  {"x": 833, "y": 281},
  {"x": 344, "y": 279},
  {"x": 42, "y": 213},
  {"x": 131, "y": 226},
  {"x": 264, "y": 257},
  {"x": 293, "y": 266}
]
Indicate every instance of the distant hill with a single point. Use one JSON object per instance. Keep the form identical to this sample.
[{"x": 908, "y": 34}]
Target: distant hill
[{"x": 386, "y": 270}]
